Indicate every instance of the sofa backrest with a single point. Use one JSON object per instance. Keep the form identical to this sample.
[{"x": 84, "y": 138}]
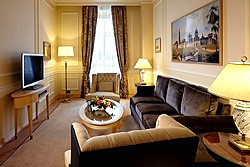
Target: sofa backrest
[
  {"x": 161, "y": 86},
  {"x": 188, "y": 99}
]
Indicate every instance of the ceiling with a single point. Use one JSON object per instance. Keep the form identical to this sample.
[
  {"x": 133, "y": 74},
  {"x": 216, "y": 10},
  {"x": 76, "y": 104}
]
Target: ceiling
[{"x": 100, "y": 2}]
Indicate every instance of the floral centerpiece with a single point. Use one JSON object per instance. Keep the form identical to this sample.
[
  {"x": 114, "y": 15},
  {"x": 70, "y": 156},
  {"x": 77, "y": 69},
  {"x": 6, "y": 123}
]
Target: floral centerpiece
[{"x": 100, "y": 102}]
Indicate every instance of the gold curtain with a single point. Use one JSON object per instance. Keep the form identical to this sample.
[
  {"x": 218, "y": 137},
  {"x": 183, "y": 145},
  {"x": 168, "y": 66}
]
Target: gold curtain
[
  {"x": 119, "y": 17},
  {"x": 89, "y": 20}
]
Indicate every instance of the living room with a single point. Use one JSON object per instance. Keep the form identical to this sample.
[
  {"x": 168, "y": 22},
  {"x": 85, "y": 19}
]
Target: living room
[{"x": 25, "y": 25}]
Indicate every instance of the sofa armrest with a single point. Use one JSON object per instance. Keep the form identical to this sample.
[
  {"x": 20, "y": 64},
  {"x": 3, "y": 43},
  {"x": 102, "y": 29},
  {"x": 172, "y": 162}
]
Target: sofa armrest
[
  {"x": 165, "y": 121},
  {"x": 208, "y": 123},
  {"x": 81, "y": 133},
  {"x": 117, "y": 83},
  {"x": 93, "y": 83},
  {"x": 145, "y": 90}
]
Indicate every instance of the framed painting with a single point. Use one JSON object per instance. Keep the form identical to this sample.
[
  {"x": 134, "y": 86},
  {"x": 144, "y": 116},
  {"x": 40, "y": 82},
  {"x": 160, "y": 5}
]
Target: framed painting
[
  {"x": 47, "y": 50},
  {"x": 197, "y": 36},
  {"x": 157, "y": 45}
]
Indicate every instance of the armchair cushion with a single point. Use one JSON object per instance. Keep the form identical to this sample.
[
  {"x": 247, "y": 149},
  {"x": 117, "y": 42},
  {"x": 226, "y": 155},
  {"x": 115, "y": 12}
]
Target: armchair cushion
[{"x": 106, "y": 86}]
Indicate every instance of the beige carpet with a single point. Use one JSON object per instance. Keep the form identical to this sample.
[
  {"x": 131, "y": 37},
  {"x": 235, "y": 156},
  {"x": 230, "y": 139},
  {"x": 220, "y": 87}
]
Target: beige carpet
[{"x": 52, "y": 138}]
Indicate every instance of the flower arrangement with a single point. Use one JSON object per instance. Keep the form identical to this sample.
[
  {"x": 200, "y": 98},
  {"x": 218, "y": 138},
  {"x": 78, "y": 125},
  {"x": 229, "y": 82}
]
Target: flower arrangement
[{"x": 100, "y": 102}]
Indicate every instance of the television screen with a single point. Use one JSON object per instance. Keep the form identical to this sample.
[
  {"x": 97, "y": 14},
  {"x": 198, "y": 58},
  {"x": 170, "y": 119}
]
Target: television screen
[{"x": 32, "y": 70}]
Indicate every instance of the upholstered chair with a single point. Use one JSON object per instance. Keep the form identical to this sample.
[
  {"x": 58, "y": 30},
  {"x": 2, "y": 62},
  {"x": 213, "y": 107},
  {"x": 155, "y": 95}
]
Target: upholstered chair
[{"x": 105, "y": 84}]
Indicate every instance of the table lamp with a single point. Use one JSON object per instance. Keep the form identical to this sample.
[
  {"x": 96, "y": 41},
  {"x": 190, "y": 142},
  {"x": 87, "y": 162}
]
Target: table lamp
[
  {"x": 64, "y": 51},
  {"x": 233, "y": 83},
  {"x": 142, "y": 63}
]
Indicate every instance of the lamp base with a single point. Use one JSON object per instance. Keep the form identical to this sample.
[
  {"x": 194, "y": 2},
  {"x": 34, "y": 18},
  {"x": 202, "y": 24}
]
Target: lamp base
[
  {"x": 240, "y": 142},
  {"x": 241, "y": 116},
  {"x": 66, "y": 101}
]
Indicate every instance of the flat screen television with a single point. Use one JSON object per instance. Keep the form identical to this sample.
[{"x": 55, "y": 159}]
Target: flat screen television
[{"x": 32, "y": 70}]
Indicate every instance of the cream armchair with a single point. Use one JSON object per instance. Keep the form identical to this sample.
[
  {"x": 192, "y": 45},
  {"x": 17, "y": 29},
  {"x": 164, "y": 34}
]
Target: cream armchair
[{"x": 105, "y": 84}]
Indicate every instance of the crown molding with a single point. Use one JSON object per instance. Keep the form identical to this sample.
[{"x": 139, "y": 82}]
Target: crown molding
[{"x": 100, "y": 2}]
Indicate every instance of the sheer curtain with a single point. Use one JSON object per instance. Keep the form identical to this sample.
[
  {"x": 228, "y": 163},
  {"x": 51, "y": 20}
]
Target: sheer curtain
[{"x": 104, "y": 56}]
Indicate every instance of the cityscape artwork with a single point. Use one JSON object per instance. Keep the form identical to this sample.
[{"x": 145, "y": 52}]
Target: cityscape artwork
[{"x": 196, "y": 37}]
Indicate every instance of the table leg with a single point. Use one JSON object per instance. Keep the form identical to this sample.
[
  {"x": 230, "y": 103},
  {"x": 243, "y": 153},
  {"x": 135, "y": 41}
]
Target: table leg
[
  {"x": 30, "y": 120},
  {"x": 118, "y": 125},
  {"x": 16, "y": 121},
  {"x": 37, "y": 103},
  {"x": 47, "y": 103}
]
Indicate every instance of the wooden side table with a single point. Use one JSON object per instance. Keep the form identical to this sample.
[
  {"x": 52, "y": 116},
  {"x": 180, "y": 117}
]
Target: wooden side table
[
  {"x": 218, "y": 147},
  {"x": 23, "y": 98}
]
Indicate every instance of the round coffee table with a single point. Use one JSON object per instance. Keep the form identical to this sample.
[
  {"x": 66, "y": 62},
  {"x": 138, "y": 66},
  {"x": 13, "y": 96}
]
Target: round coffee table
[
  {"x": 100, "y": 123},
  {"x": 218, "y": 147}
]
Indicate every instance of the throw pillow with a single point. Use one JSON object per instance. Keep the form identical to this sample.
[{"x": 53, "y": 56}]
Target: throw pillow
[
  {"x": 174, "y": 94},
  {"x": 196, "y": 102},
  {"x": 107, "y": 86}
]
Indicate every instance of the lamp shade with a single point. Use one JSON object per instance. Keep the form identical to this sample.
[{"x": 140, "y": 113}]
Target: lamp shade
[
  {"x": 233, "y": 82},
  {"x": 65, "y": 51},
  {"x": 142, "y": 63}
]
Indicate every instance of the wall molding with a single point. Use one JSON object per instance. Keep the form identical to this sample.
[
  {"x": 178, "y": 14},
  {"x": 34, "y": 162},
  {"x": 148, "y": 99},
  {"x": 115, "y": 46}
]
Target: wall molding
[
  {"x": 193, "y": 73},
  {"x": 71, "y": 81},
  {"x": 75, "y": 14},
  {"x": 9, "y": 74}
]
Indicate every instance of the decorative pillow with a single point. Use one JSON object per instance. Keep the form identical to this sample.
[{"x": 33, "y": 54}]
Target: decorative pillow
[
  {"x": 161, "y": 87},
  {"x": 174, "y": 94},
  {"x": 106, "y": 86},
  {"x": 196, "y": 102}
]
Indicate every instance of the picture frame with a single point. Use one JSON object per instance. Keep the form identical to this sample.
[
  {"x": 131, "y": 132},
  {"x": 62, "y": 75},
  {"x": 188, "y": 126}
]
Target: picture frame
[
  {"x": 157, "y": 45},
  {"x": 197, "y": 36},
  {"x": 47, "y": 50}
]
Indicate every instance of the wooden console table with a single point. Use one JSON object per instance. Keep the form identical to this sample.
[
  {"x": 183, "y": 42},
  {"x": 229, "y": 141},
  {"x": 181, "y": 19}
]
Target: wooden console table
[{"x": 23, "y": 98}]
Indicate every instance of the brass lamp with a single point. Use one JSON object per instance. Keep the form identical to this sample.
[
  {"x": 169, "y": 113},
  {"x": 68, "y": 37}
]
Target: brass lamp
[
  {"x": 142, "y": 63},
  {"x": 233, "y": 83},
  {"x": 64, "y": 51}
]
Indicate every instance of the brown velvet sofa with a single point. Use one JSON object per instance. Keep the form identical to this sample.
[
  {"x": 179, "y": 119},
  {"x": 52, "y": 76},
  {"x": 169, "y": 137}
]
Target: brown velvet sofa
[
  {"x": 191, "y": 105},
  {"x": 168, "y": 144}
]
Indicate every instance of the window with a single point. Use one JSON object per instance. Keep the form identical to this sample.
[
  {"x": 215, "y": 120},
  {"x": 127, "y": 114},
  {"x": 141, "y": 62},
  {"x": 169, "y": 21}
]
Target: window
[{"x": 104, "y": 56}]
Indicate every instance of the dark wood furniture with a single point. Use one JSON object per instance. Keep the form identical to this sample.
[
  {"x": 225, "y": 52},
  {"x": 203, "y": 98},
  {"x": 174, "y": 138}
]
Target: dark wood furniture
[
  {"x": 221, "y": 150},
  {"x": 140, "y": 88}
]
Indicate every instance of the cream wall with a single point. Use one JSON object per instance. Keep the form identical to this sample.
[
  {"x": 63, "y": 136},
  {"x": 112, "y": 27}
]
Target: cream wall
[
  {"x": 69, "y": 29},
  {"x": 235, "y": 38},
  {"x": 24, "y": 26},
  {"x": 69, "y": 23},
  {"x": 140, "y": 44}
]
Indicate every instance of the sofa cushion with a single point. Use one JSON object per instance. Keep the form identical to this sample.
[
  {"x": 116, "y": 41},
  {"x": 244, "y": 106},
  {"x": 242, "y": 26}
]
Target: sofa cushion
[
  {"x": 174, "y": 94},
  {"x": 161, "y": 86},
  {"x": 196, "y": 102},
  {"x": 214, "y": 100},
  {"x": 140, "y": 99},
  {"x": 154, "y": 108},
  {"x": 106, "y": 86}
]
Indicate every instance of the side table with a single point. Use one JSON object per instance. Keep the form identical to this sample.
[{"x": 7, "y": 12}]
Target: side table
[
  {"x": 144, "y": 89},
  {"x": 218, "y": 147},
  {"x": 23, "y": 98}
]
